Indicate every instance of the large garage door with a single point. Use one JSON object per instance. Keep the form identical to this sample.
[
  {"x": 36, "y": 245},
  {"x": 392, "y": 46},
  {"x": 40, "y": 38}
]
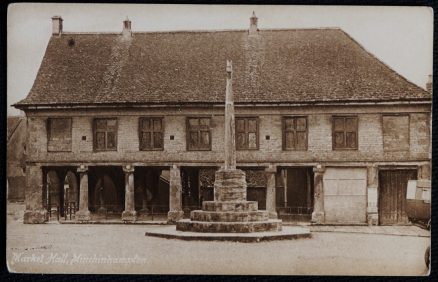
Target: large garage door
[{"x": 345, "y": 195}]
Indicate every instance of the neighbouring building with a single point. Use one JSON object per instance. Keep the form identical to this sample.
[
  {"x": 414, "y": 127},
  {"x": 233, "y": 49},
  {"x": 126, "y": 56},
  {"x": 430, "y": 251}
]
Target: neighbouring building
[
  {"x": 16, "y": 157},
  {"x": 130, "y": 125}
]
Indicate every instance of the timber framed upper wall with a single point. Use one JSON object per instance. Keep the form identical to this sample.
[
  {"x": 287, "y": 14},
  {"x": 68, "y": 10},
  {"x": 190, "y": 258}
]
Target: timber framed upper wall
[{"x": 300, "y": 66}]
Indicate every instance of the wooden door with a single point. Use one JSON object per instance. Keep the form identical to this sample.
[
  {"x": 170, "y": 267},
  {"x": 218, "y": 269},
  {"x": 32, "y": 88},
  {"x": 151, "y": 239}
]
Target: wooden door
[{"x": 392, "y": 195}]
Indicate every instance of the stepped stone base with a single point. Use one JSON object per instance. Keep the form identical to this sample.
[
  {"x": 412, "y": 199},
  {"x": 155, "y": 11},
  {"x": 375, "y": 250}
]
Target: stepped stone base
[
  {"x": 229, "y": 227},
  {"x": 220, "y": 216},
  {"x": 230, "y": 206},
  {"x": 230, "y": 212},
  {"x": 287, "y": 233}
]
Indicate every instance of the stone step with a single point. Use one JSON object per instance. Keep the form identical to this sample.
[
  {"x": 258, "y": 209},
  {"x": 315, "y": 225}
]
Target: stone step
[
  {"x": 230, "y": 174},
  {"x": 230, "y": 206},
  {"x": 228, "y": 227},
  {"x": 230, "y": 182},
  {"x": 230, "y": 187},
  {"x": 230, "y": 195},
  {"x": 220, "y": 216}
]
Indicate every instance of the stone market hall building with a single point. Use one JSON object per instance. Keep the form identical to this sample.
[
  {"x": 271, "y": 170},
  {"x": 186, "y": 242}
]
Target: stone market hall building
[{"x": 130, "y": 126}]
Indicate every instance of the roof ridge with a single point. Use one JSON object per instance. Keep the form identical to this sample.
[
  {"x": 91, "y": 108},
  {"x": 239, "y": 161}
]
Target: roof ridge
[{"x": 196, "y": 31}]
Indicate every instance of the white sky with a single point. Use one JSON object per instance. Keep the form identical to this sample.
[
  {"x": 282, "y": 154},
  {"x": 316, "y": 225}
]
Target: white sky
[{"x": 399, "y": 36}]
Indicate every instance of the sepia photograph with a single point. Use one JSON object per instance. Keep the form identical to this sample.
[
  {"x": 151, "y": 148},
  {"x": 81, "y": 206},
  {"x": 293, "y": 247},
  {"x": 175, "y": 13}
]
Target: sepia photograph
[{"x": 219, "y": 139}]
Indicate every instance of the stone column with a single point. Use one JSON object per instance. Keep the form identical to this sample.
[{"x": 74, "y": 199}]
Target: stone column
[
  {"x": 318, "y": 215},
  {"x": 271, "y": 173},
  {"x": 372, "y": 186},
  {"x": 83, "y": 214},
  {"x": 229, "y": 138},
  {"x": 35, "y": 211},
  {"x": 129, "y": 214},
  {"x": 175, "y": 196}
]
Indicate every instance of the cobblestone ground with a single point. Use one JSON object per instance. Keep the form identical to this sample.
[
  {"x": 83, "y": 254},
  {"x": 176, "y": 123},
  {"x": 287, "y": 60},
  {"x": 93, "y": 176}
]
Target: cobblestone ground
[{"x": 75, "y": 248}]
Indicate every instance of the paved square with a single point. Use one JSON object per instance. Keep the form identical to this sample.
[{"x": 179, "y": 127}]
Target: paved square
[{"x": 76, "y": 248}]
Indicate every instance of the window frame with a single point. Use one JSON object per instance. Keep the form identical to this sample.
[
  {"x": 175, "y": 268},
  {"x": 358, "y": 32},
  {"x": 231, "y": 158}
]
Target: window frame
[
  {"x": 49, "y": 134},
  {"x": 408, "y": 135},
  {"x": 140, "y": 131},
  {"x": 334, "y": 148},
  {"x": 106, "y": 149},
  {"x": 283, "y": 131},
  {"x": 188, "y": 147},
  {"x": 246, "y": 118}
]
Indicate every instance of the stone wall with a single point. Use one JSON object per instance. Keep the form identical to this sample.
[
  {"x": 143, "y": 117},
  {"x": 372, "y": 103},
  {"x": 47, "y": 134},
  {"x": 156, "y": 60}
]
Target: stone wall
[{"x": 370, "y": 137}]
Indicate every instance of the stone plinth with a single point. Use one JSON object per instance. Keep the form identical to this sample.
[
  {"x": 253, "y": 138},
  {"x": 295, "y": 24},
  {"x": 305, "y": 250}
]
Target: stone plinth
[
  {"x": 35, "y": 216},
  {"x": 230, "y": 212},
  {"x": 226, "y": 216},
  {"x": 230, "y": 206},
  {"x": 287, "y": 233},
  {"x": 229, "y": 227},
  {"x": 230, "y": 185}
]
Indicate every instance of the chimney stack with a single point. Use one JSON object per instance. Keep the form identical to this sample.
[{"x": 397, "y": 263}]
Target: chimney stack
[
  {"x": 429, "y": 84},
  {"x": 253, "y": 24},
  {"x": 57, "y": 25},
  {"x": 127, "y": 27}
]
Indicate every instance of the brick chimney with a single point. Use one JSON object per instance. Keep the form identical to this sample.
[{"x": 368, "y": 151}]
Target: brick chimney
[
  {"x": 253, "y": 24},
  {"x": 429, "y": 84},
  {"x": 57, "y": 25},
  {"x": 127, "y": 27}
]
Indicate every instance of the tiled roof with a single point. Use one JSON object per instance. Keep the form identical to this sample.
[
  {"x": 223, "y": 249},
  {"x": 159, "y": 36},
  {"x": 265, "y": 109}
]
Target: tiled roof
[{"x": 281, "y": 66}]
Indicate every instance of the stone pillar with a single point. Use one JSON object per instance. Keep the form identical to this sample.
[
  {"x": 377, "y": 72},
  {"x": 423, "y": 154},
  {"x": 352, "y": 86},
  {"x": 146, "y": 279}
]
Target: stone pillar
[
  {"x": 35, "y": 211},
  {"x": 318, "y": 215},
  {"x": 175, "y": 196},
  {"x": 129, "y": 214},
  {"x": 372, "y": 187},
  {"x": 83, "y": 214},
  {"x": 271, "y": 173},
  {"x": 230, "y": 130}
]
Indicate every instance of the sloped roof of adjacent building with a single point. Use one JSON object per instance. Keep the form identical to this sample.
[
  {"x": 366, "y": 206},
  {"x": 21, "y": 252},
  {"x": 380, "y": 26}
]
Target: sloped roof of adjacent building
[
  {"x": 13, "y": 123},
  {"x": 275, "y": 66}
]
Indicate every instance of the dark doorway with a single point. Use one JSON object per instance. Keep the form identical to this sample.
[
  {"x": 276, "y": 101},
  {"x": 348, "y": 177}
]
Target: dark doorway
[
  {"x": 106, "y": 190},
  {"x": 60, "y": 187},
  {"x": 294, "y": 193},
  {"x": 151, "y": 192},
  {"x": 392, "y": 195},
  {"x": 190, "y": 190}
]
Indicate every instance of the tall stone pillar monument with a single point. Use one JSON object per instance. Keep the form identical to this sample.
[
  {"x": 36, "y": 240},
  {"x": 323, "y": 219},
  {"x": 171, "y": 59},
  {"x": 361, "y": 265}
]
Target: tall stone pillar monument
[
  {"x": 230, "y": 211},
  {"x": 230, "y": 129}
]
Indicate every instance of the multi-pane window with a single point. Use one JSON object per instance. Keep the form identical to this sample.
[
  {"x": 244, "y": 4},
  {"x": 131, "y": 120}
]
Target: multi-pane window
[
  {"x": 59, "y": 134},
  {"x": 151, "y": 133},
  {"x": 247, "y": 137},
  {"x": 344, "y": 132},
  {"x": 295, "y": 133},
  {"x": 198, "y": 133},
  {"x": 105, "y": 134}
]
